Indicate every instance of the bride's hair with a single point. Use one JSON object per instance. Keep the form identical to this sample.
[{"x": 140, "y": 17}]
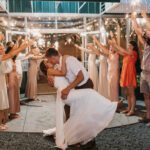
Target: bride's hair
[
  {"x": 51, "y": 52},
  {"x": 43, "y": 68}
]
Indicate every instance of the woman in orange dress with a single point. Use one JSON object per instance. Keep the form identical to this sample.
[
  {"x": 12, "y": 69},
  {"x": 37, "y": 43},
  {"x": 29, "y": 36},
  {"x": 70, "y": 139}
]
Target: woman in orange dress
[{"x": 128, "y": 74}]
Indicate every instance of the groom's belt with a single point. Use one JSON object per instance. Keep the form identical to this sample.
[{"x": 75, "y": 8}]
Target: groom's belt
[{"x": 88, "y": 84}]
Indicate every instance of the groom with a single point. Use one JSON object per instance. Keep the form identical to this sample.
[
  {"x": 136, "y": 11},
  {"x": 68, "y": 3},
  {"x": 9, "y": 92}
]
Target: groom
[{"x": 76, "y": 73}]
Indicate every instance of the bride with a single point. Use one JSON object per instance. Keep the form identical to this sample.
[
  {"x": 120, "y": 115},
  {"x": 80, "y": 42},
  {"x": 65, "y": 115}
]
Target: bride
[{"x": 90, "y": 113}]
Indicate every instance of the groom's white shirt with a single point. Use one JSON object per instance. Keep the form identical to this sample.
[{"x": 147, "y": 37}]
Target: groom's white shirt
[{"x": 73, "y": 67}]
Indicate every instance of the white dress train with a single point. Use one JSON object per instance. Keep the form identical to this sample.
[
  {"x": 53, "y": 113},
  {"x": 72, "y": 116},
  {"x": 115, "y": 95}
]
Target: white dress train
[{"x": 90, "y": 113}]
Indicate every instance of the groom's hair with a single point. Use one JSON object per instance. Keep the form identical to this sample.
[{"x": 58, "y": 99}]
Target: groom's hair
[{"x": 51, "y": 52}]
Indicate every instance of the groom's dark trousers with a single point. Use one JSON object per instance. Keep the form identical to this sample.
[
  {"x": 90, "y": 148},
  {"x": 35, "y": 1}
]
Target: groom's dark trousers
[{"x": 87, "y": 85}]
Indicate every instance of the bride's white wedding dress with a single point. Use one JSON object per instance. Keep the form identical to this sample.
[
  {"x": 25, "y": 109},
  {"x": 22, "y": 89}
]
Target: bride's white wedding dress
[{"x": 90, "y": 113}]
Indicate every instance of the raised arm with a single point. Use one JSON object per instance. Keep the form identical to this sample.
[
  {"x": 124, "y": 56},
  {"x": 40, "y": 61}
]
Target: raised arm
[
  {"x": 17, "y": 42},
  {"x": 14, "y": 52},
  {"x": 102, "y": 47},
  {"x": 86, "y": 50},
  {"x": 144, "y": 15},
  {"x": 37, "y": 56},
  {"x": 94, "y": 49},
  {"x": 121, "y": 50},
  {"x": 138, "y": 29}
]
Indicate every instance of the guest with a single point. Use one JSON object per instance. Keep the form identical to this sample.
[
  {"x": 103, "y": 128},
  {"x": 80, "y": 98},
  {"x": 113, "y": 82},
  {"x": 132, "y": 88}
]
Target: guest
[
  {"x": 103, "y": 70},
  {"x": 113, "y": 69},
  {"x": 13, "y": 87},
  {"x": 31, "y": 89},
  {"x": 18, "y": 59},
  {"x": 128, "y": 74},
  {"x": 92, "y": 67},
  {"x": 5, "y": 67},
  {"x": 144, "y": 38}
]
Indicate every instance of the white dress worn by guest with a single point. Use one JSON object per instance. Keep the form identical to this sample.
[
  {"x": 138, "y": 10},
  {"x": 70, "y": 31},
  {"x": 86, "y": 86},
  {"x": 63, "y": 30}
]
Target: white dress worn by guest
[
  {"x": 92, "y": 70},
  {"x": 19, "y": 58},
  {"x": 90, "y": 113},
  {"x": 103, "y": 69},
  {"x": 5, "y": 67}
]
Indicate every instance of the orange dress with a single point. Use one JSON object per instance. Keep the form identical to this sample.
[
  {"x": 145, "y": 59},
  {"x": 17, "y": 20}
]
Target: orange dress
[{"x": 128, "y": 74}]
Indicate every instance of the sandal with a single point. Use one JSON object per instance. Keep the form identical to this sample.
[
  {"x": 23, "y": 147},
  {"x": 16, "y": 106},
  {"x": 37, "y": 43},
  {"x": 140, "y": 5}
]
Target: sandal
[
  {"x": 14, "y": 116},
  {"x": 131, "y": 113},
  {"x": 125, "y": 111},
  {"x": 3, "y": 127}
]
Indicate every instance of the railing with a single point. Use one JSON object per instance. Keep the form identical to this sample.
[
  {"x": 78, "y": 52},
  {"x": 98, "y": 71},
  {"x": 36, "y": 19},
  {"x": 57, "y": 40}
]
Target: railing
[
  {"x": 3, "y": 4},
  {"x": 36, "y": 6},
  {"x": 106, "y": 6}
]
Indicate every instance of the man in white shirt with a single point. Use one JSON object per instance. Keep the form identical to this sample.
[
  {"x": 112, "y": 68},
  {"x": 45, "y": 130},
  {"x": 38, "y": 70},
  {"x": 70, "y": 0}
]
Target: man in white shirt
[{"x": 75, "y": 72}]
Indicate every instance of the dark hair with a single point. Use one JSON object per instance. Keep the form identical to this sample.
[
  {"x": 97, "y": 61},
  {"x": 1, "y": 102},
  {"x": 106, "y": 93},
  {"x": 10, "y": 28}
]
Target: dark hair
[
  {"x": 43, "y": 68},
  {"x": 8, "y": 44},
  {"x": 147, "y": 40},
  {"x": 8, "y": 50},
  {"x": 51, "y": 52},
  {"x": 135, "y": 46}
]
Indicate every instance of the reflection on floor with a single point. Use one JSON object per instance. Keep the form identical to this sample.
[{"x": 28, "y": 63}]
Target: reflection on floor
[{"x": 39, "y": 115}]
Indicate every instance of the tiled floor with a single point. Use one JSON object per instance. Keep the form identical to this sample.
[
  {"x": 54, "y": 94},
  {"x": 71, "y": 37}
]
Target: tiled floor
[{"x": 39, "y": 115}]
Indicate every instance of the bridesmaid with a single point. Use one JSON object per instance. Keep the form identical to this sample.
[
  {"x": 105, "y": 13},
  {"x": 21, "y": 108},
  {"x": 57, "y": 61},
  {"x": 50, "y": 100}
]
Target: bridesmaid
[
  {"x": 13, "y": 87},
  {"x": 113, "y": 69},
  {"x": 5, "y": 67},
  {"x": 13, "y": 84},
  {"x": 31, "y": 89},
  {"x": 128, "y": 74},
  {"x": 92, "y": 67},
  {"x": 103, "y": 69}
]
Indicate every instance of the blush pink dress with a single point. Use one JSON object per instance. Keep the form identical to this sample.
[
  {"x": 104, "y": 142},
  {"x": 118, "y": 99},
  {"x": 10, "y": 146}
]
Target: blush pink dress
[{"x": 13, "y": 91}]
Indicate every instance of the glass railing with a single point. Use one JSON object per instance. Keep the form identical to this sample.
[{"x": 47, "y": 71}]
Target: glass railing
[
  {"x": 44, "y": 6},
  {"x": 3, "y": 4}
]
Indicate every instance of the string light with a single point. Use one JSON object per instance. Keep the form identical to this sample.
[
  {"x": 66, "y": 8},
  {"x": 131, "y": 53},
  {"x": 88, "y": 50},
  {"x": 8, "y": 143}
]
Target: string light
[
  {"x": 56, "y": 45},
  {"x": 82, "y": 34},
  {"x": 4, "y": 22},
  {"x": 106, "y": 22},
  {"x": 127, "y": 16},
  {"x": 69, "y": 40},
  {"x": 12, "y": 24},
  {"x": 89, "y": 28},
  {"x": 41, "y": 42},
  {"x": 135, "y": 2}
]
